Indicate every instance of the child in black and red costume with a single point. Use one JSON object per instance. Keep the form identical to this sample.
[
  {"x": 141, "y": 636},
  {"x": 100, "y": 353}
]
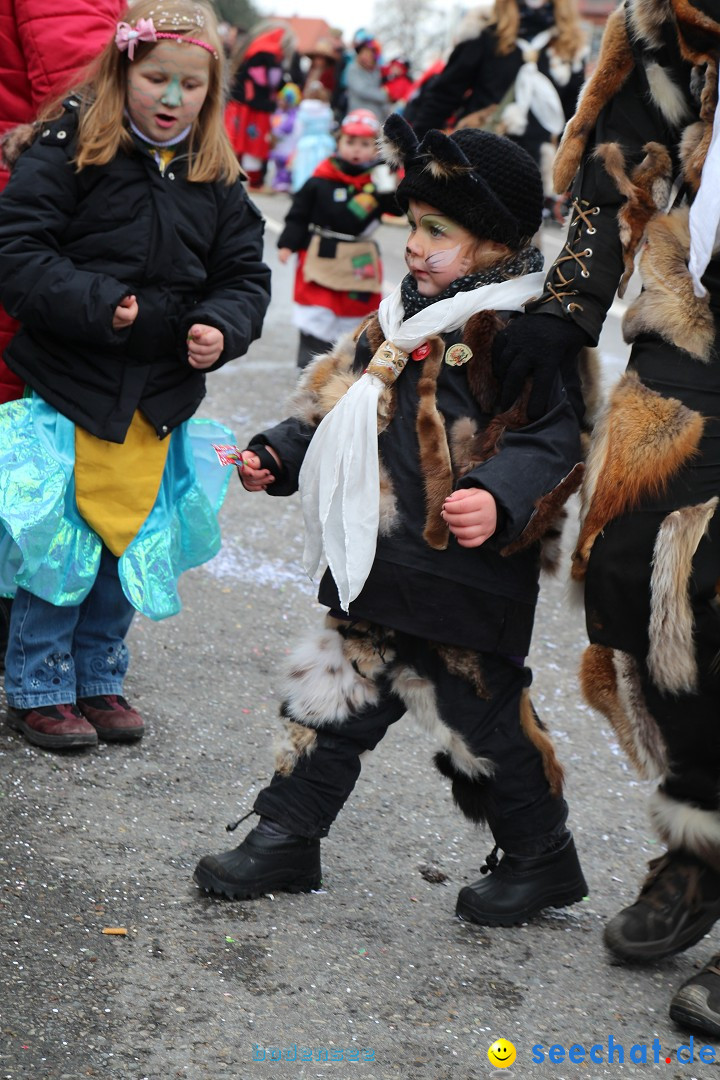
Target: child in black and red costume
[{"x": 338, "y": 280}]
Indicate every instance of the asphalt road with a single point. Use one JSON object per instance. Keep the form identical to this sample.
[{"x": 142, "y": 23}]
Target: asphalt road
[{"x": 375, "y": 965}]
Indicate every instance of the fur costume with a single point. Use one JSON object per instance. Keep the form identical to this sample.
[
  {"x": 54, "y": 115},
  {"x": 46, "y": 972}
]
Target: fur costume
[
  {"x": 438, "y": 426},
  {"x": 648, "y": 554}
]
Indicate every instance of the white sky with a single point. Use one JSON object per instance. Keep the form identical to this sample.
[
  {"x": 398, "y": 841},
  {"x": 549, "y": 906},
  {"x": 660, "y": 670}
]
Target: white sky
[{"x": 351, "y": 16}]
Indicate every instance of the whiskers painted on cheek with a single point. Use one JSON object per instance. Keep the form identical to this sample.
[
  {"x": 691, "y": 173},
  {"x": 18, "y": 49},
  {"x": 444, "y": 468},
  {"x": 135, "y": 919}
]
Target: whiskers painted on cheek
[{"x": 440, "y": 260}]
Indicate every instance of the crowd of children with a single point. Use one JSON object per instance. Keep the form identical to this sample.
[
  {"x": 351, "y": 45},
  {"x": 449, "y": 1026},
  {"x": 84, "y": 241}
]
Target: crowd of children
[{"x": 431, "y": 474}]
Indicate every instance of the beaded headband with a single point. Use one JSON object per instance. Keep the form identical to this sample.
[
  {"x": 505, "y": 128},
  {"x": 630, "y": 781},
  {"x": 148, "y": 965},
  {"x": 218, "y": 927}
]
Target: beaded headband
[{"x": 127, "y": 37}]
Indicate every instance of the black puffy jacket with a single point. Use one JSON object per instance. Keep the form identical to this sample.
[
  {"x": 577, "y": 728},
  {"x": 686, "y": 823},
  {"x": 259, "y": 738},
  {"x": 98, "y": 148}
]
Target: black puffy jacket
[{"x": 74, "y": 244}]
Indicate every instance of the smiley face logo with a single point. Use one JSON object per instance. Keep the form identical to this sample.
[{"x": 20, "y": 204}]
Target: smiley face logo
[{"x": 501, "y": 1054}]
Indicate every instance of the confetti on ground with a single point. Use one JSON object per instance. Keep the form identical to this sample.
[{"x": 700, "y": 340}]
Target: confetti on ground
[{"x": 116, "y": 931}]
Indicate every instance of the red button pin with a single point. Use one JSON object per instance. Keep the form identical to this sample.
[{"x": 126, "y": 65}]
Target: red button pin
[{"x": 421, "y": 352}]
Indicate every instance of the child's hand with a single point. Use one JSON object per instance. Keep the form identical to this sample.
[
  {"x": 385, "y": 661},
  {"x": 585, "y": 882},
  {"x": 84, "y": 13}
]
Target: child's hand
[
  {"x": 125, "y": 313},
  {"x": 284, "y": 254},
  {"x": 252, "y": 476},
  {"x": 205, "y": 345},
  {"x": 471, "y": 516}
]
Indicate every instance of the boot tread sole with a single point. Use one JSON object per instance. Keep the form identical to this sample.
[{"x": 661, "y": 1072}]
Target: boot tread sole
[
  {"x": 466, "y": 912},
  {"x": 210, "y": 883},
  {"x": 648, "y": 952}
]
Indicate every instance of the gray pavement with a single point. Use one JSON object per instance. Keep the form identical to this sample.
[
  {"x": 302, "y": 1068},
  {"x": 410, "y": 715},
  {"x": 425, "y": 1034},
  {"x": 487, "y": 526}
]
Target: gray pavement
[{"x": 375, "y": 964}]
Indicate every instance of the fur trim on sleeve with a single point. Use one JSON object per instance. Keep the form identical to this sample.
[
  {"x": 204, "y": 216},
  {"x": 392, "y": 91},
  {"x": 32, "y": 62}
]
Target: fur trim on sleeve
[{"x": 613, "y": 67}]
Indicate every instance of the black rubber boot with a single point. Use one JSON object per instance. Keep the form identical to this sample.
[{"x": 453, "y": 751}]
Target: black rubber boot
[
  {"x": 519, "y": 886},
  {"x": 262, "y": 864},
  {"x": 678, "y": 904},
  {"x": 696, "y": 1005}
]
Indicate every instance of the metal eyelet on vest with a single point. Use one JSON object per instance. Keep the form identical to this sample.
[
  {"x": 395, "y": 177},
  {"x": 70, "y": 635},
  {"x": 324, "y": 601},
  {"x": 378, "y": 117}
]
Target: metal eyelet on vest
[
  {"x": 46, "y": 132},
  {"x": 562, "y": 286},
  {"x": 171, "y": 176},
  {"x": 62, "y": 134}
]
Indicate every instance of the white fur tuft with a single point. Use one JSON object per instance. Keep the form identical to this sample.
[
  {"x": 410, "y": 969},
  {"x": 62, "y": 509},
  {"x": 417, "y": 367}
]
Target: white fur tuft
[
  {"x": 321, "y": 686},
  {"x": 681, "y": 825},
  {"x": 421, "y": 703}
]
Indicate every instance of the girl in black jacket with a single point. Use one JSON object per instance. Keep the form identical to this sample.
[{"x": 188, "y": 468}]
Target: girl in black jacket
[
  {"x": 131, "y": 256},
  {"x": 431, "y": 531}
]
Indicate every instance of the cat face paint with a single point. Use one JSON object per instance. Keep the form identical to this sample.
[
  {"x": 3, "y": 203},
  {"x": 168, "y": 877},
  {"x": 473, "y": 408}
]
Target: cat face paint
[
  {"x": 438, "y": 250},
  {"x": 167, "y": 89}
]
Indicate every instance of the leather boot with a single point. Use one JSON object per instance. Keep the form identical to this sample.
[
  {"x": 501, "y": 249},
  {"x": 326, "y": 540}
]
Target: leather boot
[
  {"x": 262, "y": 864},
  {"x": 519, "y": 886},
  {"x": 678, "y": 903},
  {"x": 696, "y": 1005}
]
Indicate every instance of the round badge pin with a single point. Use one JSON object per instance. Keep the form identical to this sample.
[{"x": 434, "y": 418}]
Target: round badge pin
[{"x": 458, "y": 354}]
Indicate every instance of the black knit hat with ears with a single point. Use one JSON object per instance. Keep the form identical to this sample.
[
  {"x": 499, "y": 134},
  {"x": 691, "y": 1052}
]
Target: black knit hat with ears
[{"x": 485, "y": 182}]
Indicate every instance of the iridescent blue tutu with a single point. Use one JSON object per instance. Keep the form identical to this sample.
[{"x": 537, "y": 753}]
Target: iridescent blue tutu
[{"x": 48, "y": 549}]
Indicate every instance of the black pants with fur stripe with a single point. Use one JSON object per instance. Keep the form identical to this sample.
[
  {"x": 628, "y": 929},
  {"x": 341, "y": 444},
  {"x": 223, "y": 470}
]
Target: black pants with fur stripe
[{"x": 363, "y": 679}]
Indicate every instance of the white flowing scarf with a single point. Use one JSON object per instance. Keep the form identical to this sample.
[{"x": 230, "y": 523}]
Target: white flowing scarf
[
  {"x": 705, "y": 212},
  {"x": 535, "y": 92},
  {"x": 339, "y": 480}
]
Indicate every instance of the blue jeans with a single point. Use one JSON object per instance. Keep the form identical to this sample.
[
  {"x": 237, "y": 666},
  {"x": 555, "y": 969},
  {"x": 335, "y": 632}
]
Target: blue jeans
[{"x": 58, "y": 654}]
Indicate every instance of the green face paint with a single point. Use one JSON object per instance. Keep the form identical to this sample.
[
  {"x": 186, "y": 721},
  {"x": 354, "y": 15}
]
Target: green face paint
[{"x": 173, "y": 95}]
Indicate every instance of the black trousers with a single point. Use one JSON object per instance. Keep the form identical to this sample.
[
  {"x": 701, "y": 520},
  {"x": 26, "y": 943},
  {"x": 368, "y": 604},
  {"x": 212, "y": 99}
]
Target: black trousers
[
  {"x": 471, "y": 700},
  {"x": 309, "y": 347}
]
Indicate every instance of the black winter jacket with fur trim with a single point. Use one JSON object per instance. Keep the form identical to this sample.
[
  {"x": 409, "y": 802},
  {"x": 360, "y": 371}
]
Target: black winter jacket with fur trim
[{"x": 483, "y": 597}]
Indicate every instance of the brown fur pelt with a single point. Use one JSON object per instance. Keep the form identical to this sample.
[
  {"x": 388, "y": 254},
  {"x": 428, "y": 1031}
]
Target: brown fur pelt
[
  {"x": 698, "y": 30},
  {"x": 671, "y": 654},
  {"x": 479, "y": 332},
  {"x": 538, "y": 735},
  {"x": 549, "y": 509},
  {"x": 590, "y": 371},
  {"x": 328, "y": 378},
  {"x": 696, "y": 138},
  {"x": 329, "y": 678},
  {"x": 434, "y": 451},
  {"x": 613, "y": 67},
  {"x": 465, "y": 663},
  {"x": 610, "y": 683},
  {"x": 640, "y": 443},
  {"x": 646, "y": 190},
  {"x": 419, "y": 697},
  {"x": 295, "y": 742},
  {"x": 647, "y": 19},
  {"x": 668, "y": 305},
  {"x": 15, "y": 141},
  {"x": 366, "y": 646}
]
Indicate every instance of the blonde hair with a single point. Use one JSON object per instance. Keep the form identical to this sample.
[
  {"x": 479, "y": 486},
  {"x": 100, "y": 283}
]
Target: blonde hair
[
  {"x": 567, "y": 43},
  {"x": 102, "y": 133}
]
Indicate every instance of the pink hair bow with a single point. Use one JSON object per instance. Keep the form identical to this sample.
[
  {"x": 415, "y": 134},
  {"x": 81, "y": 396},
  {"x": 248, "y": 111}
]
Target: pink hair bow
[{"x": 127, "y": 36}]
